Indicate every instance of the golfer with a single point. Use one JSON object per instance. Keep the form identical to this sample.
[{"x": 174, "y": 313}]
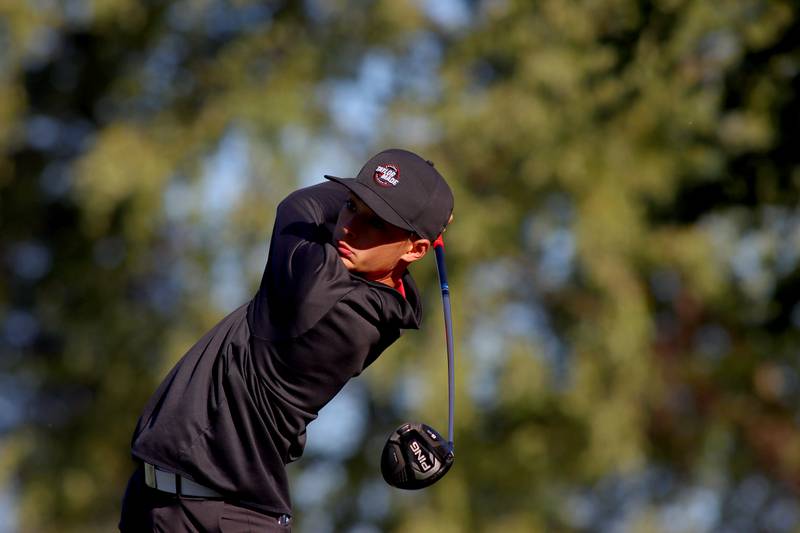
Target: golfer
[{"x": 213, "y": 440}]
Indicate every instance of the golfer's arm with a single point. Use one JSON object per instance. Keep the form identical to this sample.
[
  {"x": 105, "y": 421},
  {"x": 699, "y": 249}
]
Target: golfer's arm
[
  {"x": 316, "y": 206},
  {"x": 300, "y": 253},
  {"x": 303, "y": 272}
]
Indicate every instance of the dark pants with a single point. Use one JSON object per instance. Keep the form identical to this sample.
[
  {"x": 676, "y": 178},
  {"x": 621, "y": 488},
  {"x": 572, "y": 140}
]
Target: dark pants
[{"x": 149, "y": 510}]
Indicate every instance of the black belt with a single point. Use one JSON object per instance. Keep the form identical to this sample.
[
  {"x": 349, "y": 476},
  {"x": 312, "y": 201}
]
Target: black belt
[{"x": 159, "y": 479}]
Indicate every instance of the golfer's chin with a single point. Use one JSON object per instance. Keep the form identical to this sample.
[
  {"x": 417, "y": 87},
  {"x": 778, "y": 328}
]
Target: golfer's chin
[
  {"x": 348, "y": 264},
  {"x": 353, "y": 269}
]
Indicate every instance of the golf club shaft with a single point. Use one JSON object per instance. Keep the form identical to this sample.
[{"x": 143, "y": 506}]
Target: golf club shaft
[{"x": 438, "y": 247}]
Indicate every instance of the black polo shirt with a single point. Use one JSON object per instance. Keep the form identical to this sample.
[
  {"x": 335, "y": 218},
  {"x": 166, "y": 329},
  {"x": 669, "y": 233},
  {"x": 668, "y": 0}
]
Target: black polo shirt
[{"x": 234, "y": 410}]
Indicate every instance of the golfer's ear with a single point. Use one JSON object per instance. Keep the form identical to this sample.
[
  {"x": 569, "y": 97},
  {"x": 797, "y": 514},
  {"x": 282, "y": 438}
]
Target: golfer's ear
[{"x": 419, "y": 247}]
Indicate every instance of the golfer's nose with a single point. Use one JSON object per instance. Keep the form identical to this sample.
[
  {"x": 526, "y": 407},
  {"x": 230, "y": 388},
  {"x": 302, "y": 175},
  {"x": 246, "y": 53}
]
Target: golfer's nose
[{"x": 349, "y": 227}]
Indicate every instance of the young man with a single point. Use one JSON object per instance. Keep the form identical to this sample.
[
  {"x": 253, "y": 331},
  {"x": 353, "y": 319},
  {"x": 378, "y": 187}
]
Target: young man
[{"x": 214, "y": 439}]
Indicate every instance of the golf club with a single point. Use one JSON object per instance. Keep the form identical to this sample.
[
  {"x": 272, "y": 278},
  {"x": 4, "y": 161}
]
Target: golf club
[{"x": 415, "y": 455}]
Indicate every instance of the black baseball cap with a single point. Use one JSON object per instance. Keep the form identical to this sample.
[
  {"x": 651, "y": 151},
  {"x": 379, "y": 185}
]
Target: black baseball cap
[{"x": 405, "y": 190}]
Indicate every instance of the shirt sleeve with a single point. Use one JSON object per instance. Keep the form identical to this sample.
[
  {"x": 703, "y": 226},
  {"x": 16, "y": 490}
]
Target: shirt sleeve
[{"x": 304, "y": 275}]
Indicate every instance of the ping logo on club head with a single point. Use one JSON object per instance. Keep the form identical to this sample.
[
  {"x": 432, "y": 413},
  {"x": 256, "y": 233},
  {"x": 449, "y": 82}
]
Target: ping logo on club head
[
  {"x": 420, "y": 456},
  {"x": 386, "y": 175}
]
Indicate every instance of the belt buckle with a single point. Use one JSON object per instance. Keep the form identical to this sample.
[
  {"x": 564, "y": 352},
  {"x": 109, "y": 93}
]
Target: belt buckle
[{"x": 150, "y": 475}]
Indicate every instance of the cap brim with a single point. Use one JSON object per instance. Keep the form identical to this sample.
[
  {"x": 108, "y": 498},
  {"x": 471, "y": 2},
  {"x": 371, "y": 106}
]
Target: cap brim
[{"x": 374, "y": 202}]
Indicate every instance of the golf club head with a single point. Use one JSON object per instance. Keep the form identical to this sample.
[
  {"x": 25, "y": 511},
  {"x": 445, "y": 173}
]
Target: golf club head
[{"x": 415, "y": 456}]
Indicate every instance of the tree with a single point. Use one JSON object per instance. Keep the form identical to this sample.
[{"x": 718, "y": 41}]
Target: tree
[{"x": 623, "y": 260}]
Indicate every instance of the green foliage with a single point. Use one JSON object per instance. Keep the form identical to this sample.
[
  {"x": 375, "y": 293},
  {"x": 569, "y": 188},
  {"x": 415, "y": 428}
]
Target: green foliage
[{"x": 623, "y": 259}]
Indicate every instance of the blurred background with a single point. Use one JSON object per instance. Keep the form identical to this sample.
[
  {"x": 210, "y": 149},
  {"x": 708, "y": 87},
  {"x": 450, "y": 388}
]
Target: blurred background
[{"x": 623, "y": 261}]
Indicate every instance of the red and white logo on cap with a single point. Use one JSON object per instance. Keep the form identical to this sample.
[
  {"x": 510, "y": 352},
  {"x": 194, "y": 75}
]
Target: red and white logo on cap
[{"x": 386, "y": 175}]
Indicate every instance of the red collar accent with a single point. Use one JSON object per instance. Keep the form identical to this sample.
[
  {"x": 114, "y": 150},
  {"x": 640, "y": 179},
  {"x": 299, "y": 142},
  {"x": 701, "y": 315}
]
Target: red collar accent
[{"x": 400, "y": 287}]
